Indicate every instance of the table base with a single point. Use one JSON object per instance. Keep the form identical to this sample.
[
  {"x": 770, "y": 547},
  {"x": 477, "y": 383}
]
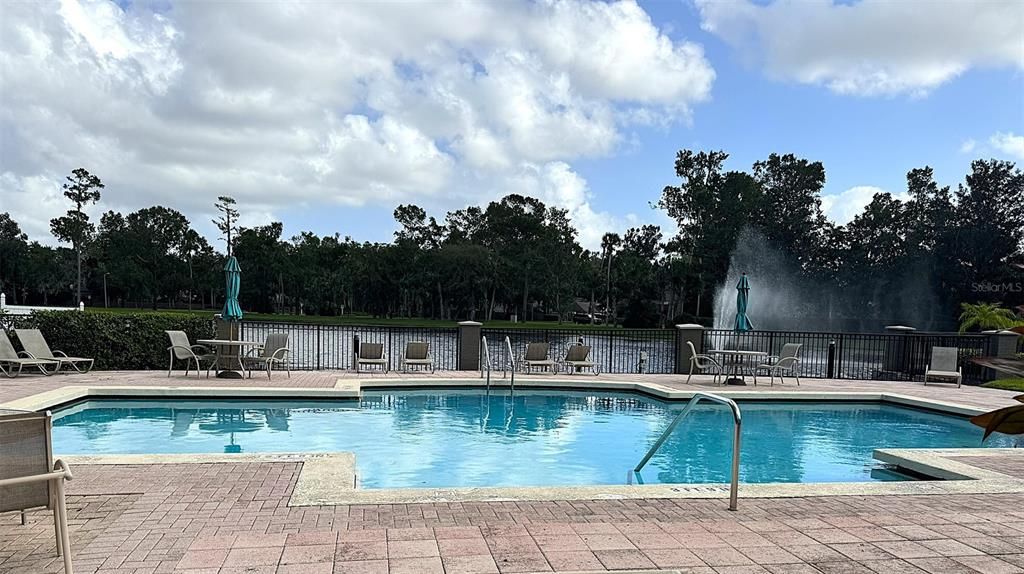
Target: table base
[
  {"x": 735, "y": 381},
  {"x": 229, "y": 375}
]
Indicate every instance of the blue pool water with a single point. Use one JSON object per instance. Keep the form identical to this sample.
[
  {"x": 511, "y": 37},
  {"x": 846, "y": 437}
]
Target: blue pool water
[{"x": 467, "y": 438}]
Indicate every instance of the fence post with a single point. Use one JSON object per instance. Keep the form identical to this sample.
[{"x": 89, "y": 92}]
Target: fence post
[
  {"x": 3, "y": 301},
  {"x": 830, "y": 371},
  {"x": 318, "y": 346},
  {"x": 469, "y": 346},
  {"x": 689, "y": 332},
  {"x": 355, "y": 352}
]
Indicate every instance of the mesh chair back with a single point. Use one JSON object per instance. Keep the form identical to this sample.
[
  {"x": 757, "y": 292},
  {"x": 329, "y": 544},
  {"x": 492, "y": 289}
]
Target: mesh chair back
[
  {"x": 537, "y": 351},
  {"x": 578, "y": 353},
  {"x": 6, "y": 348},
  {"x": 180, "y": 339},
  {"x": 944, "y": 359},
  {"x": 25, "y": 450},
  {"x": 371, "y": 350},
  {"x": 790, "y": 351},
  {"x": 274, "y": 343},
  {"x": 417, "y": 350},
  {"x": 32, "y": 341}
]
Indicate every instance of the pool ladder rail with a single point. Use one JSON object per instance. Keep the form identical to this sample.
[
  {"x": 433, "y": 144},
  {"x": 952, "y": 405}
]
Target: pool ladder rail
[
  {"x": 486, "y": 365},
  {"x": 738, "y": 424}
]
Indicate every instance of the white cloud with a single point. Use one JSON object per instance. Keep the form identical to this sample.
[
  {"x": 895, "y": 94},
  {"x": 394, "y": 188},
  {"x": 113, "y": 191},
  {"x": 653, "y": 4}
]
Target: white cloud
[
  {"x": 285, "y": 105},
  {"x": 842, "y": 207},
  {"x": 968, "y": 146},
  {"x": 1008, "y": 144},
  {"x": 871, "y": 47}
]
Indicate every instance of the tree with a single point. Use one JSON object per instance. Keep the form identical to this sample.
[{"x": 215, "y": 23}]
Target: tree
[
  {"x": 986, "y": 316},
  {"x": 82, "y": 188},
  {"x": 13, "y": 246},
  {"x": 226, "y": 222},
  {"x": 790, "y": 213}
]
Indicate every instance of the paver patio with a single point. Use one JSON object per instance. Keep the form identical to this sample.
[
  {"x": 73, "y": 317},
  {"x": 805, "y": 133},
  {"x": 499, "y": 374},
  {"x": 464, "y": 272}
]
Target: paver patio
[{"x": 229, "y": 518}]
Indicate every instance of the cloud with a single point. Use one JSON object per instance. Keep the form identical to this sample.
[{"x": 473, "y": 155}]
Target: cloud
[
  {"x": 871, "y": 47},
  {"x": 1008, "y": 144},
  {"x": 312, "y": 104},
  {"x": 842, "y": 207},
  {"x": 968, "y": 146}
]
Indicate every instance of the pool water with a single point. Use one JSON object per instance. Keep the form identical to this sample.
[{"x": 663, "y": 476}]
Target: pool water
[{"x": 437, "y": 438}]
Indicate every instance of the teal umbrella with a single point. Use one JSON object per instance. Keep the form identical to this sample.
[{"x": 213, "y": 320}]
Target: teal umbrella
[
  {"x": 742, "y": 293},
  {"x": 233, "y": 276}
]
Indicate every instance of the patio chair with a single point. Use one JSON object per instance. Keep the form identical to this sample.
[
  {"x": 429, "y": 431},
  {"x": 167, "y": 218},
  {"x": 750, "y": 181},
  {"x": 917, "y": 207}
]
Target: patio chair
[
  {"x": 9, "y": 359},
  {"x": 371, "y": 354},
  {"x": 417, "y": 354},
  {"x": 577, "y": 358},
  {"x": 273, "y": 352},
  {"x": 787, "y": 360},
  {"x": 29, "y": 477},
  {"x": 702, "y": 362},
  {"x": 537, "y": 356},
  {"x": 943, "y": 366},
  {"x": 182, "y": 350},
  {"x": 35, "y": 345}
]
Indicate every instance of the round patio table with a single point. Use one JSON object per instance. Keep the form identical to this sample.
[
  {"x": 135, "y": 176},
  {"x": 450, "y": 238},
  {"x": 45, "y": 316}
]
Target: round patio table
[
  {"x": 229, "y": 351},
  {"x": 737, "y": 362}
]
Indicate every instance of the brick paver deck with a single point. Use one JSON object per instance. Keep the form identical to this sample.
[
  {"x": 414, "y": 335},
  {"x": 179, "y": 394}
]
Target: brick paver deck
[
  {"x": 234, "y": 518},
  {"x": 230, "y": 518}
]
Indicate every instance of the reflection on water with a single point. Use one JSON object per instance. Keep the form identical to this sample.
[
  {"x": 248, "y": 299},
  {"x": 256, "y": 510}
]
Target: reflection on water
[{"x": 472, "y": 438}]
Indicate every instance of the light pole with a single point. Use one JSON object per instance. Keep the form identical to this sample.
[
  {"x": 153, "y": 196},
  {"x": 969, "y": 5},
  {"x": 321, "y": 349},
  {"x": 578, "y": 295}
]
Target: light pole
[{"x": 105, "y": 302}]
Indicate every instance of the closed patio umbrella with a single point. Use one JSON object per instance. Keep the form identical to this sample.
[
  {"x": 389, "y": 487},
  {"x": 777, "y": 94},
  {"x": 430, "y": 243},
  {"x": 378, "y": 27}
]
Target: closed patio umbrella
[
  {"x": 742, "y": 293},
  {"x": 233, "y": 277}
]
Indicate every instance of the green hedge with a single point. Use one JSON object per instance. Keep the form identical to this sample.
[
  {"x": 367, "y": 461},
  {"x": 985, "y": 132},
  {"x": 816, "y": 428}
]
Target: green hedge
[{"x": 130, "y": 341}]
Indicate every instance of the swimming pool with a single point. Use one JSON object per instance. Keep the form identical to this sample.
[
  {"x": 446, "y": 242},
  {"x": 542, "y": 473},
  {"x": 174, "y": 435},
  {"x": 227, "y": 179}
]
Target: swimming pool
[{"x": 448, "y": 438}]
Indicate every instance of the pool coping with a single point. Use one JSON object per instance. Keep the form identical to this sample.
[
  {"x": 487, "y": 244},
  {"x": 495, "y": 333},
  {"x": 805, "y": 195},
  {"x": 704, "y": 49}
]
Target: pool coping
[{"x": 332, "y": 479}]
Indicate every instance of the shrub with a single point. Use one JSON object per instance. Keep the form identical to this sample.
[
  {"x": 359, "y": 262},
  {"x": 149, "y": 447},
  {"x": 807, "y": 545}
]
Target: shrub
[{"x": 130, "y": 341}]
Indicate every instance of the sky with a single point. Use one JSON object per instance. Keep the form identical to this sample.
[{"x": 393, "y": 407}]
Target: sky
[{"x": 327, "y": 115}]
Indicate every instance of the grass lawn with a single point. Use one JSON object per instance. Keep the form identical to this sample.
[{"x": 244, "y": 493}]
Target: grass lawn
[
  {"x": 1006, "y": 384},
  {"x": 359, "y": 319}
]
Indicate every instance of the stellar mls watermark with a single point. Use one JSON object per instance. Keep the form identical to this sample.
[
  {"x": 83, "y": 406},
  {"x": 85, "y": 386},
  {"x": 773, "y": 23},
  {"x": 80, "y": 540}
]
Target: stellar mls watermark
[{"x": 1004, "y": 287}]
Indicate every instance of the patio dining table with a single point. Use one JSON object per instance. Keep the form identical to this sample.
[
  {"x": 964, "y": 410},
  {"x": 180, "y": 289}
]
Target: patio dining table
[
  {"x": 229, "y": 352},
  {"x": 737, "y": 359}
]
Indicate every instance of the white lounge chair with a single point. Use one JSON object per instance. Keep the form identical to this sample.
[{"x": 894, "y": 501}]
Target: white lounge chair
[
  {"x": 702, "y": 362},
  {"x": 29, "y": 477},
  {"x": 577, "y": 358},
  {"x": 943, "y": 367},
  {"x": 273, "y": 352},
  {"x": 371, "y": 354},
  {"x": 417, "y": 354},
  {"x": 537, "y": 357},
  {"x": 787, "y": 360},
  {"x": 35, "y": 345},
  {"x": 182, "y": 350},
  {"x": 11, "y": 363}
]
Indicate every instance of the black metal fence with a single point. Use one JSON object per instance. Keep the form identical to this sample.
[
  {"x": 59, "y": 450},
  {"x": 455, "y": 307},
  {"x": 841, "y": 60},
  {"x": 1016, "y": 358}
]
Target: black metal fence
[
  {"x": 614, "y": 350},
  {"x": 332, "y": 347},
  {"x": 866, "y": 356}
]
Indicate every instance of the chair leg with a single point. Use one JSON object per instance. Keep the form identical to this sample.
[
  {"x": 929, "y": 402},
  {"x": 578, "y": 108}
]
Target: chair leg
[
  {"x": 62, "y": 521},
  {"x": 691, "y": 372},
  {"x": 170, "y": 367}
]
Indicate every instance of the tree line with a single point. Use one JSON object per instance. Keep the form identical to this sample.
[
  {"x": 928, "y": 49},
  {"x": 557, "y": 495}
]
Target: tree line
[{"x": 519, "y": 256}]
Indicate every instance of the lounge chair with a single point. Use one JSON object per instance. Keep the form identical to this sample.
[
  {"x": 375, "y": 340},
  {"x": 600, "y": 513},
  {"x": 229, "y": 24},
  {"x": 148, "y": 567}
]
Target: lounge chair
[
  {"x": 273, "y": 352},
  {"x": 35, "y": 345},
  {"x": 371, "y": 354},
  {"x": 537, "y": 356},
  {"x": 787, "y": 360},
  {"x": 702, "y": 362},
  {"x": 943, "y": 366},
  {"x": 29, "y": 477},
  {"x": 577, "y": 358},
  {"x": 182, "y": 350},
  {"x": 9, "y": 359},
  {"x": 417, "y": 354}
]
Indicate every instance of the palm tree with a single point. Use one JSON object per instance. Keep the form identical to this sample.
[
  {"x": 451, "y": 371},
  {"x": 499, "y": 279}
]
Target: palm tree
[{"x": 986, "y": 316}]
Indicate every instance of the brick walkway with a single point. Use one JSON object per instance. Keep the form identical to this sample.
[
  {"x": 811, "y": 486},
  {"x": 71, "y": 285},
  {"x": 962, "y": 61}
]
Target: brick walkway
[{"x": 233, "y": 518}]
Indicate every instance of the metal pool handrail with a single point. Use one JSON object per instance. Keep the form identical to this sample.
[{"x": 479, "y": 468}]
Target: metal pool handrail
[
  {"x": 697, "y": 397},
  {"x": 512, "y": 361},
  {"x": 485, "y": 358}
]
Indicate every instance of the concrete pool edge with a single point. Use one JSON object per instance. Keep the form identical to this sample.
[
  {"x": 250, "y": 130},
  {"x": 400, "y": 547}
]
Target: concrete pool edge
[{"x": 330, "y": 478}]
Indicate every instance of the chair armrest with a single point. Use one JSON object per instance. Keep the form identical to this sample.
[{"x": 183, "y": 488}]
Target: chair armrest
[
  {"x": 26, "y": 354},
  {"x": 206, "y": 350},
  {"x": 183, "y": 347},
  {"x": 59, "y": 354},
  {"x": 283, "y": 351}
]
